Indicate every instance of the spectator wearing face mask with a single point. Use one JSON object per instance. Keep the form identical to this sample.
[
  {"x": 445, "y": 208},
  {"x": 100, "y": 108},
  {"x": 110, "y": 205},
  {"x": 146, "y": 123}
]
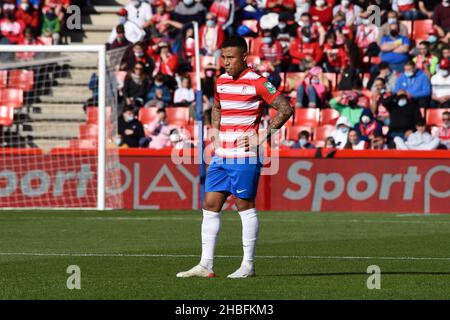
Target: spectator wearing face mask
[
  {"x": 380, "y": 112},
  {"x": 335, "y": 57},
  {"x": 28, "y": 15},
  {"x": 285, "y": 31},
  {"x": 368, "y": 126},
  {"x": 351, "y": 11},
  {"x": 10, "y": 28},
  {"x": 162, "y": 134},
  {"x": 211, "y": 37},
  {"x": 426, "y": 61},
  {"x": 416, "y": 84},
  {"x": 51, "y": 25},
  {"x": 419, "y": 140},
  {"x": 354, "y": 142},
  {"x": 441, "y": 18},
  {"x": 305, "y": 52},
  {"x": 395, "y": 48},
  {"x": 349, "y": 105},
  {"x": 389, "y": 77},
  {"x": 140, "y": 13},
  {"x": 366, "y": 34},
  {"x": 441, "y": 85},
  {"x": 159, "y": 94},
  {"x": 131, "y": 31},
  {"x": 303, "y": 141},
  {"x": 189, "y": 10},
  {"x": 443, "y": 132},
  {"x": 313, "y": 89},
  {"x": 403, "y": 114},
  {"x": 158, "y": 27},
  {"x": 316, "y": 32},
  {"x": 340, "y": 135},
  {"x": 138, "y": 54},
  {"x": 385, "y": 29},
  {"x": 271, "y": 51},
  {"x": 166, "y": 62},
  {"x": 131, "y": 131},
  {"x": 322, "y": 12}
]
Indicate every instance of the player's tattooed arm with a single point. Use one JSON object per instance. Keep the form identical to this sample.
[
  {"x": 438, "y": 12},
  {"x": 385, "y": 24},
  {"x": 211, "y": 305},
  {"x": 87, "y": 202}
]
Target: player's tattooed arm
[
  {"x": 285, "y": 111},
  {"x": 215, "y": 123}
]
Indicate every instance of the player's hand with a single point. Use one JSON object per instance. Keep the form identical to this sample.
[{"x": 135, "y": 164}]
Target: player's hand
[{"x": 249, "y": 143}]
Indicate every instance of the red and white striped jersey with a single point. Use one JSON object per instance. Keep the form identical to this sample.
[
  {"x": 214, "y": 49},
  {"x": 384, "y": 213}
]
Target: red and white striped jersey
[{"x": 241, "y": 103}]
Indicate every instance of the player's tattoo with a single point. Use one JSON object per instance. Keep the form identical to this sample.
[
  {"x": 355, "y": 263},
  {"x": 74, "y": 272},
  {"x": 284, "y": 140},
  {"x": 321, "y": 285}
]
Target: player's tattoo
[
  {"x": 285, "y": 111},
  {"x": 215, "y": 122}
]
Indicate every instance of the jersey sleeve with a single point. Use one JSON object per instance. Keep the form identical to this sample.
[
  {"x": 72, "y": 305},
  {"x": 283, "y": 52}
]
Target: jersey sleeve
[{"x": 266, "y": 90}]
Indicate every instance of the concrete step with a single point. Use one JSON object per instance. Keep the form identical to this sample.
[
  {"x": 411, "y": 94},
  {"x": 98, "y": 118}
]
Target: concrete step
[
  {"x": 67, "y": 100},
  {"x": 96, "y": 37},
  {"x": 74, "y": 115},
  {"x": 50, "y": 130},
  {"x": 60, "y": 107},
  {"x": 110, "y": 2},
  {"x": 46, "y": 145},
  {"x": 103, "y": 19}
]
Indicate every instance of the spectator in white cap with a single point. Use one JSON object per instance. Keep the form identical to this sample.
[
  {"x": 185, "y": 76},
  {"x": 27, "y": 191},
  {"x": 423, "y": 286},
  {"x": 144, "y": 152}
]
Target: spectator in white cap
[
  {"x": 340, "y": 135},
  {"x": 133, "y": 32}
]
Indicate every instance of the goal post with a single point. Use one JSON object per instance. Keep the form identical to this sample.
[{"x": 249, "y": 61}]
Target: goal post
[{"x": 107, "y": 65}]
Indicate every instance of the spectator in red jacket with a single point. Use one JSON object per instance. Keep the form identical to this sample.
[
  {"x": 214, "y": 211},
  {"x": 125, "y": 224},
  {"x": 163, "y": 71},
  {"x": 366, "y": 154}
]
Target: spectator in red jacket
[
  {"x": 322, "y": 12},
  {"x": 271, "y": 50},
  {"x": 28, "y": 16},
  {"x": 166, "y": 63},
  {"x": 211, "y": 37},
  {"x": 335, "y": 56},
  {"x": 10, "y": 28},
  {"x": 28, "y": 39},
  {"x": 305, "y": 52}
]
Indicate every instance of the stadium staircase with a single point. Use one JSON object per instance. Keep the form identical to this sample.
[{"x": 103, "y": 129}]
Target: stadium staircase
[{"x": 55, "y": 117}]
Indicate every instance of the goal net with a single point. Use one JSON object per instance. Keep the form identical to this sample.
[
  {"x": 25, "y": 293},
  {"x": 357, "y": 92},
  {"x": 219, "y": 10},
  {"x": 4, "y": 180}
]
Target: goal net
[{"x": 58, "y": 120}]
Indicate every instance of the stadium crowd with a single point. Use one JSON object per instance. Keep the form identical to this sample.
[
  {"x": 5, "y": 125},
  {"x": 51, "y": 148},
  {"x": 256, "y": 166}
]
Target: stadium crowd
[{"x": 389, "y": 84}]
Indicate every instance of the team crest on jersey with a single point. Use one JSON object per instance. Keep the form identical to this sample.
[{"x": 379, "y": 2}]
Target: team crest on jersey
[{"x": 270, "y": 87}]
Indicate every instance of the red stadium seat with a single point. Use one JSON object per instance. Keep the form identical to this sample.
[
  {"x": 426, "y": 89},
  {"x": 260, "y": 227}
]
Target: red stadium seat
[
  {"x": 147, "y": 115},
  {"x": 434, "y": 117},
  {"x": 256, "y": 46},
  {"x": 178, "y": 115},
  {"x": 3, "y": 79},
  {"x": 21, "y": 79},
  {"x": 306, "y": 117},
  {"x": 329, "y": 116},
  {"x": 6, "y": 116},
  {"x": 88, "y": 131},
  {"x": 222, "y": 11},
  {"x": 11, "y": 97},
  {"x": 92, "y": 115},
  {"x": 421, "y": 29},
  {"x": 292, "y": 132},
  {"x": 83, "y": 143},
  {"x": 323, "y": 132}
]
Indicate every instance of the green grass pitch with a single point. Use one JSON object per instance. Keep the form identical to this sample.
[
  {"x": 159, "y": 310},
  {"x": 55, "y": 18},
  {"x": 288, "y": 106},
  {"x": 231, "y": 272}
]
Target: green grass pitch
[{"x": 135, "y": 255}]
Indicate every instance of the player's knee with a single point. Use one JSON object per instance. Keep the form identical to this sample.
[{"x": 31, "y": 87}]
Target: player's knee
[
  {"x": 211, "y": 206},
  {"x": 243, "y": 205}
]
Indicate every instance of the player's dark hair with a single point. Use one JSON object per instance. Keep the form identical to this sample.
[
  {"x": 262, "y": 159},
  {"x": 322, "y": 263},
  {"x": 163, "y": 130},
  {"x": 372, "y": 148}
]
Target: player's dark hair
[
  {"x": 235, "y": 42},
  {"x": 420, "y": 123},
  {"x": 381, "y": 79}
]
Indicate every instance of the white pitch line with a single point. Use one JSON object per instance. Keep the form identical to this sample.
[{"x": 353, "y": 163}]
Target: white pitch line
[
  {"x": 224, "y": 219},
  {"x": 155, "y": 255}
]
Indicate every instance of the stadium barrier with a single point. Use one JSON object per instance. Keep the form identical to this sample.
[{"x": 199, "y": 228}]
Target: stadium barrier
[{"x": 360, "y": 181}]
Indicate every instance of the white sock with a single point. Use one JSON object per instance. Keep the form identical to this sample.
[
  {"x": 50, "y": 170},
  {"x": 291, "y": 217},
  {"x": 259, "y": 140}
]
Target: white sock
[
  {"x": 250, "y": 228},
  {"x": 210, "y": 231}
]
